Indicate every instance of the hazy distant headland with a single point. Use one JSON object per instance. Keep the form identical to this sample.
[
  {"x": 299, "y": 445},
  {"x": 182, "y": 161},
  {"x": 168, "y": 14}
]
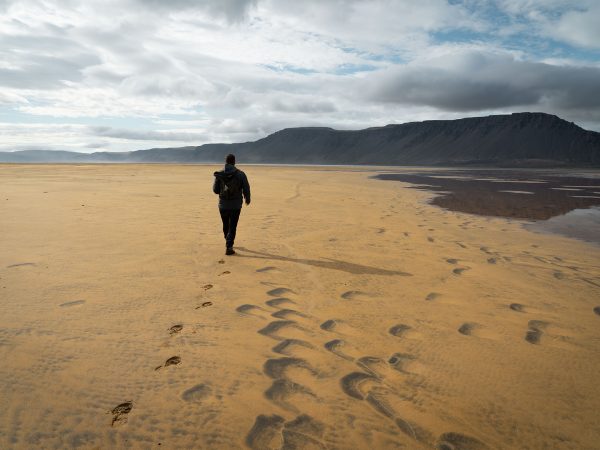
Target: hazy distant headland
[{"x": 515, "y": 140}]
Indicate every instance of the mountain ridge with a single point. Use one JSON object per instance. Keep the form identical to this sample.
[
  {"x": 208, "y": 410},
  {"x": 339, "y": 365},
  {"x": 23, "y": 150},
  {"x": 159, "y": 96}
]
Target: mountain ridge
[{"x": 530, "y": 139}]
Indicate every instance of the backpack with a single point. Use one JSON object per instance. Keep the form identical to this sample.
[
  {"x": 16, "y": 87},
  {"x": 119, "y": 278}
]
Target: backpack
[{"x": 231, "y": 186}]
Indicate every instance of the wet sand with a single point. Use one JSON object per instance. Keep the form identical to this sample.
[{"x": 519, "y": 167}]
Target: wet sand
[
  {"x": 557, "y": 201},
  {"x": 511, "y": 194},
  {"x": 355, "y": 315}
]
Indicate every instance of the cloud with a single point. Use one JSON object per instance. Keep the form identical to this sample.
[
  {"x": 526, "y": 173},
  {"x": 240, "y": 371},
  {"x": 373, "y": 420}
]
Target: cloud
[
  {"x": 232, "y": 10},
  {"x": 145, "y": 135},
  {"x": 306, "y": 106},
  {"x": 579, "y": 28},
  {"x": 96, "y": 145},
  {"x": 11, "y": 98},
  {"x": 574, "y": 23},
  {"x": 476, "y": 81}
]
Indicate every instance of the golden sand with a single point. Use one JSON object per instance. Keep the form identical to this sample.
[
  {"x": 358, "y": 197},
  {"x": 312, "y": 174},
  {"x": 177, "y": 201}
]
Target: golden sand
[{"x": 354, "y": 315}]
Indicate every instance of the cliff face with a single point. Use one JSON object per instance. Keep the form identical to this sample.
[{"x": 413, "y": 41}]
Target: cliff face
[
  {"x": 516, "y": 139},
  {"x": 486, "y": 140}
]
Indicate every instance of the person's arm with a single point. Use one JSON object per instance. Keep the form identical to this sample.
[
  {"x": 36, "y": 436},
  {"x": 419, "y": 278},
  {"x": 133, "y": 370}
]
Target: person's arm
[
  {"x": 246, "y": 189},
  {"x": 216, "y": 186}
]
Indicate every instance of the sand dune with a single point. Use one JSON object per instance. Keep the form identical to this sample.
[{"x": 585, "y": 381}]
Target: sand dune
[{"x": 354, "y": 315}]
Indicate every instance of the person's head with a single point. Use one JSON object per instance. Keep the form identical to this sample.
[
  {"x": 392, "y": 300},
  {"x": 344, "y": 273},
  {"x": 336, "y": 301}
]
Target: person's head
[{"x": 230, "y": 159}]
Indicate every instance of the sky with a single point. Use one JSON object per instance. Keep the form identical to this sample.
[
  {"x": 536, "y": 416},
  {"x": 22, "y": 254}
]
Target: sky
[{"x": 122, "y": 75}]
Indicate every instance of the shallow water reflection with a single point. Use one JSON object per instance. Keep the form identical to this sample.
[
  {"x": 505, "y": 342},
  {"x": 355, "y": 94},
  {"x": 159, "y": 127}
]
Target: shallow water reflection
[
  {"x": 532, "y": 195},
  {"x": 579, "y": 223}
]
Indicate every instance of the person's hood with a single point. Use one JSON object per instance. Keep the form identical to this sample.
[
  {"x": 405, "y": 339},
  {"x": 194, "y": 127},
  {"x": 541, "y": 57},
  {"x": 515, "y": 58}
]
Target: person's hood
[{"x": 230, "y": 169}]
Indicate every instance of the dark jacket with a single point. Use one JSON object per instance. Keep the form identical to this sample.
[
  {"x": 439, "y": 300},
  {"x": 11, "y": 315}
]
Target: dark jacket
[{"x": 236, "y": 202}]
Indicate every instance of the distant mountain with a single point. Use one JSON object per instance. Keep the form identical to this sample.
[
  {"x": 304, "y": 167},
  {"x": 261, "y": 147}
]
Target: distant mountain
[{"x": 520, "y": 139}]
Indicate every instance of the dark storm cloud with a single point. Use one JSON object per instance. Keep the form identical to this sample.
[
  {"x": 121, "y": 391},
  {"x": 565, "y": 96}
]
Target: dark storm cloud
[{"x": 476, "y": 81}]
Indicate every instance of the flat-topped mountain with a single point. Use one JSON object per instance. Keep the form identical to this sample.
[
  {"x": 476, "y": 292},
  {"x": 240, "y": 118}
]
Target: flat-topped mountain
[{"x": 533, "y": 139}]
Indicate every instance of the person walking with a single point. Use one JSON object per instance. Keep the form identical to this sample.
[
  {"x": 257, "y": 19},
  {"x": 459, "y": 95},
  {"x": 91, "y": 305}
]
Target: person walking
[{"x": 231, "y": 184}]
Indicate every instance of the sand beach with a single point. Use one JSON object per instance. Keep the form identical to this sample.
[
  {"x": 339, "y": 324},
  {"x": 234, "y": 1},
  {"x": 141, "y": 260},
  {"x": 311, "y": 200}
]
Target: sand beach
[{"x": 354, "y": 315}]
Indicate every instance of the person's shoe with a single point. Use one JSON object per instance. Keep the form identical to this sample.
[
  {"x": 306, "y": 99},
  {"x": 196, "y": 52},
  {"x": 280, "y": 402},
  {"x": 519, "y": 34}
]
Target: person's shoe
[{"x": 230, "y": 251}]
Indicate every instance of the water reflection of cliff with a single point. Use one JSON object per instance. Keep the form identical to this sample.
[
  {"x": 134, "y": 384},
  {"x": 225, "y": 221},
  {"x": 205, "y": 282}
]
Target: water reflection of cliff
[{"x": 513, "y": 194}]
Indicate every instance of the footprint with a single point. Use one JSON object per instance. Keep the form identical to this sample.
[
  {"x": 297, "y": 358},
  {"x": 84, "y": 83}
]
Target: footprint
[
  {"x": 461, "y": 245},
  {"x": 172, "y": 361},
  {"x": 285, "y": 347},
  {"x": 277, "y": 367},
  {"x": 535, "y": 331},
  {"x": 457, "y": 441},
  {"x": 597, "y": 310},
  {"x": 452, "y": 261},
  {"x": 352, "y": 384},
  {"x": 558, "y": 275},
  {"x": 272, "y": 329},
  {"x": 328, "y": 325},
  {"x": 517, "y": 307},
  {"x": 277, "y": 292},
  {"x": 335, "y": 346},
  {"x": 175, "y": 329},
  {"x": 120, "y": 412},
  {"x": 467, "y": 328},
  {"x": 380, "y": 230},
  {"x": 197, "y": 393},
  {"x": 432, "y": 296},
  {"x": 491, "y": 260},
  {"x": 459, "y": 270},
  {"x": 204, "y": 305},
  {"x": 399, "y": 361},
  {"x": 351, "y": 295},
  {"x": 303, "y": 432},
  {"x": 206, "y": 287},
  {"x": 430, "y": 239},
  {"x": 399, "y": 330},
  {"x": 227, "y": 272},
  {"x": 286, "y": 313},
  {"x": 266, "y": 433},
  {"x": 272, "y": 432},
  {"x": 266, "y": 269},
  {"x": 282, "y": 389},
  {"x": 221, "y": 261},
  {"x": 252, "y": 310},
  {"x": 281, "y": 301},
  {"x": 73, "y": 303}
]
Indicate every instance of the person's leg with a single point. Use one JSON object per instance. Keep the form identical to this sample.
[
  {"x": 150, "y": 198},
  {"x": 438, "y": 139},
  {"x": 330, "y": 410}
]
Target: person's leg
[
  {"x": 225, "y": 219},
  {"x": 233, "y": 221}
]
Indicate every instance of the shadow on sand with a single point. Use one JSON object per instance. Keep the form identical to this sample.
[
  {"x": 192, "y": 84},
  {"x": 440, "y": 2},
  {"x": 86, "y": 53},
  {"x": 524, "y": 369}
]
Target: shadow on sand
[{"x": 327, "y": 263}]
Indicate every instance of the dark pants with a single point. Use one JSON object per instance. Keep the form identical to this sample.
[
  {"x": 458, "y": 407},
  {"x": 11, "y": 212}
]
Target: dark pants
[{"x": 230, "y": 219}]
